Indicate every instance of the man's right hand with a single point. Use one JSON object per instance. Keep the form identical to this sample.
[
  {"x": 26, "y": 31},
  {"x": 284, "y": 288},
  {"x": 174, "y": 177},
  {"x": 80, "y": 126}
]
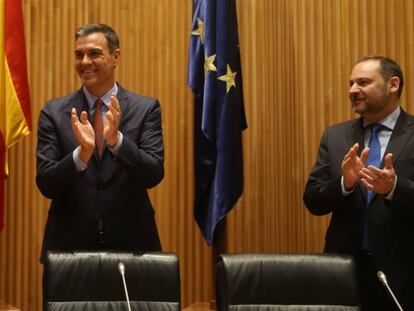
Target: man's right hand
[
  {"x": 352, "y": 164},
  {"x": 84, "y": 134}
]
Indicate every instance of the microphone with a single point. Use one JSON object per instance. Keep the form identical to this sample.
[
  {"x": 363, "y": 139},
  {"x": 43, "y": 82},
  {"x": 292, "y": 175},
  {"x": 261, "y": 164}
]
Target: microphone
[
  {"x": 383, "y": 279},
  {"x": 121, "y": 268}
]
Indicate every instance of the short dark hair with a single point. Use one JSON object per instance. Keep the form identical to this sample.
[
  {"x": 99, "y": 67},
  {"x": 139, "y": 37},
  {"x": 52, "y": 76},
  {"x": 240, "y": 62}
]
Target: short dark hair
[
  {"x": 110, "y": 34},
  {"x": 388, "y": 68}
]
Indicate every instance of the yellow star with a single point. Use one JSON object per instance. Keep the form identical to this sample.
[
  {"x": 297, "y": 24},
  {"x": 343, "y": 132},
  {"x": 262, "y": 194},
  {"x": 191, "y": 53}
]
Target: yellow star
[
  {"x": 229, "y": 78},
  {"x": 200, "y": 30},
  {"x": 209, "y": 64}
]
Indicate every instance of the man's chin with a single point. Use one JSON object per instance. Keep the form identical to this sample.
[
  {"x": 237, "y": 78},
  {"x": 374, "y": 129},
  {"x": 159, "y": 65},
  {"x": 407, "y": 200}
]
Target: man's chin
[
  {"x": 88, "y": 82},
  {"x": 359, "y": 109}
]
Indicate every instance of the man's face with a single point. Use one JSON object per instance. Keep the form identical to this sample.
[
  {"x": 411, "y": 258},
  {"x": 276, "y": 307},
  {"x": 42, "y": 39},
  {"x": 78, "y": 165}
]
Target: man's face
[
  {"x": 369, "y": 93},
  {"x": 95, "y": 64}
]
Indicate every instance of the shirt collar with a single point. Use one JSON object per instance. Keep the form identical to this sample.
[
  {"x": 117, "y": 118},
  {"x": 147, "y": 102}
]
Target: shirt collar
[
  {"x": 389, "y": 121},
  {"x": 106, "y": 98}
]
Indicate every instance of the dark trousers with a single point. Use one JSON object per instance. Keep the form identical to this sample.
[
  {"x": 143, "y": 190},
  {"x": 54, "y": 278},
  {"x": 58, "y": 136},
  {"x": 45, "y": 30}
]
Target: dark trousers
[{"x": 374, "y": 296}]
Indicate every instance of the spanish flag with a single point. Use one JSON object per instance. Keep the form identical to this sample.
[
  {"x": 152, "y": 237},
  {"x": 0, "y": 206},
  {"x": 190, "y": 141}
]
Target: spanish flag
[{"x": 15, "y": 118}]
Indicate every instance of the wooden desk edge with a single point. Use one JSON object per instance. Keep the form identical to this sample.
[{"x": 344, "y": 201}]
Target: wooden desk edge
[
  {"x": 198, "y": 306},
  {"x": 7, "y": 307}
]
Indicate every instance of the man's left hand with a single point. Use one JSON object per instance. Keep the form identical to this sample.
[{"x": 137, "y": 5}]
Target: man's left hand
[
  {"x": 380, "y": 181},
  {"x": 113, "y": 116}
]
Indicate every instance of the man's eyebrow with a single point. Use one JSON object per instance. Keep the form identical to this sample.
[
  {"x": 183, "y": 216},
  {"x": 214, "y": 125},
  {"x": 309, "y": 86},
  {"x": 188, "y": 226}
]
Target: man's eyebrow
[
  {"x": 360, "y": 78},
  {"x": 88, "y": 50}
]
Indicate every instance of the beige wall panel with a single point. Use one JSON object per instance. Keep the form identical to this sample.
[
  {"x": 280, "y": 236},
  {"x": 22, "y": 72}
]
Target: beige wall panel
[{"x": 296, "y": 59}]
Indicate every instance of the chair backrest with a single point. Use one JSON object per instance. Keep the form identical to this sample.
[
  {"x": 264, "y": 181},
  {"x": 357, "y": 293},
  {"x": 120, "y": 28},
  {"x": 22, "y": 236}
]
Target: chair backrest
[
  {"x": 91, "y": 281},
  {"x": 286, "y": 282}
]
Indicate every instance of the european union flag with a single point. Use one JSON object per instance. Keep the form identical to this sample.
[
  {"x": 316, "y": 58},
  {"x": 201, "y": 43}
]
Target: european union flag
[{"x": 215, "y": 77}]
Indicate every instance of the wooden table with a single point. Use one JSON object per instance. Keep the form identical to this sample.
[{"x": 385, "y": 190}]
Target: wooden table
[{"x": 7, "y": 307}]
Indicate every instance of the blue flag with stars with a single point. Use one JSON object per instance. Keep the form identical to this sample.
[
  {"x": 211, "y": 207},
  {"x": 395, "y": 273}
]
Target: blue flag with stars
[{"x": 214, "y": 75}]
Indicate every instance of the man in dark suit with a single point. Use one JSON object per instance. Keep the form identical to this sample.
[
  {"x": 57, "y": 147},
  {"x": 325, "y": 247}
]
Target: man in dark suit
[
  {"x": 371, "y": 204},
  {"x": 99, "y": 149}
]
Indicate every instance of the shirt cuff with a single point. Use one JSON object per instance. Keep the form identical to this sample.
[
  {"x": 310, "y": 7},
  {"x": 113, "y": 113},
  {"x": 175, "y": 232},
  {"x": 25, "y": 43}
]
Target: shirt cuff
[
  {"x": 391, "y": 194},
  {"x": 79, "y": 164},
  {"x": 344, "y": 191},
  {"x": 115, "y": 149}
]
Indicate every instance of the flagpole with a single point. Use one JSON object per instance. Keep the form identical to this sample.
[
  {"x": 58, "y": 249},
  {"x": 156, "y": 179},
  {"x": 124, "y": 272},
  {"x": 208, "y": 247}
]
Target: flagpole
[{"x": 219, "y": 247}]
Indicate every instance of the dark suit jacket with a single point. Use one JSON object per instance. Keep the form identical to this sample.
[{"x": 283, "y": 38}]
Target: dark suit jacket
[
  {"x": 111, "y": 192},
  {"x": 390, "y": 223}
]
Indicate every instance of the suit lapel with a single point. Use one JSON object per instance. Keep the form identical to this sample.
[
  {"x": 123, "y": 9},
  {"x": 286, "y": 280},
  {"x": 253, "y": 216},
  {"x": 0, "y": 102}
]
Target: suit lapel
[
  {"x": 80, "y": 103},
  {"x": 123, "y": 103},
  {"x": 400, "y": 136},
  {"x": 357, "y": 134}
]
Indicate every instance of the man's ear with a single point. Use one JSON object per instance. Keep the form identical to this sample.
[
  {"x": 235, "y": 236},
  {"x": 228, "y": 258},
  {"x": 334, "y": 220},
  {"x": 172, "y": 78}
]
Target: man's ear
[
  {"x": 394, "y": 84},
  {"x": 116, "y": 54}
]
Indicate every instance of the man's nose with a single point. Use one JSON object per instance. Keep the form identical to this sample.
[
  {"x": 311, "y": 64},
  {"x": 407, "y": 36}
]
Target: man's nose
[
  {"x": 86, "y": 59},
  {"x": 354, "y": 88}
]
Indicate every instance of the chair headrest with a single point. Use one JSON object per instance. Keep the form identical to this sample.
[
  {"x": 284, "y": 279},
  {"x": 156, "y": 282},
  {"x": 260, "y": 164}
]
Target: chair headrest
[
  {"x": 94, "y": 276},
  {"x": 287, "y": 279}
]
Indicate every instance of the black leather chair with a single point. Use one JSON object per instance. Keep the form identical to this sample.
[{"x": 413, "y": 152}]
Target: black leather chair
[
  {"x": 92, "y": 281},
  {"x": 286, "y": 282}
]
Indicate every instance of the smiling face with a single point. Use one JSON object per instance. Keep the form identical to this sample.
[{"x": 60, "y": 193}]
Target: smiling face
[
  {"x": 371, "y": 96},
  {"x": 95, "y": 63}
]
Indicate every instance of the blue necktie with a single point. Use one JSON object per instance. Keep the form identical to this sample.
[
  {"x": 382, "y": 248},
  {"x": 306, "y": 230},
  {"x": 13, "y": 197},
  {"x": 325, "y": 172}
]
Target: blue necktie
[{"x": 374, "y": 159}]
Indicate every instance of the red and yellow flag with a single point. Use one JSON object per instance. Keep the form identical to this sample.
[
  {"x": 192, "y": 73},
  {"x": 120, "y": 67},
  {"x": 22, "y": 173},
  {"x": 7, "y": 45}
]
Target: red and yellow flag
[{"x": 15, "y": 118}]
